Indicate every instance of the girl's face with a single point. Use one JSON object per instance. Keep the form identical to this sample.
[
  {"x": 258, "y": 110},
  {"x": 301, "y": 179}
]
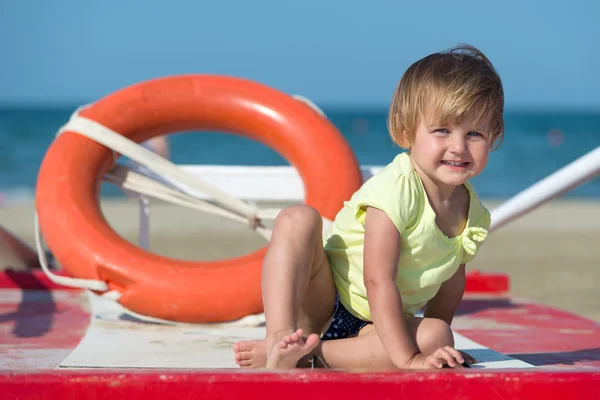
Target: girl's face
[{"x": 451, "y": 155}]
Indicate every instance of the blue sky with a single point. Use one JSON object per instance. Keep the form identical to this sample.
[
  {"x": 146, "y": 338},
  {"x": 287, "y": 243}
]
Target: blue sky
[{"x": 339, "y": 53}]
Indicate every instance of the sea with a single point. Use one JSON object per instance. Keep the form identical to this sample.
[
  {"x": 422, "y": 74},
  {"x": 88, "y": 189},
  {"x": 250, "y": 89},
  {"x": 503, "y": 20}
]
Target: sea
[{"x": 536, "y": 144}]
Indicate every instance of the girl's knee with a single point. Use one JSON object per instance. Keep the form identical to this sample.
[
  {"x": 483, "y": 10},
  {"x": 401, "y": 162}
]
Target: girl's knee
[
  {"x": 298, "y": 217},
  {"x": 432, "y": 334}
]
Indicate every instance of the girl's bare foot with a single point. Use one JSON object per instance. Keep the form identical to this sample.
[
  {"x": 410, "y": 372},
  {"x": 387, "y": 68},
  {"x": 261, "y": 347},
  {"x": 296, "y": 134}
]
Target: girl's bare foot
[
  {"x": 289, "y": 349},
  {"x": 250, "y": 353}
]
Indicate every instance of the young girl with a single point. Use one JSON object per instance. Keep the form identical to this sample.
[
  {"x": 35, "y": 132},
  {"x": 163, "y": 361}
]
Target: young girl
[{"x": 399, "y": 244}]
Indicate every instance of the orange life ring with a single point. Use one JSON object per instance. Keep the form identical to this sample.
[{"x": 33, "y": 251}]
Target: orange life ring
[{"x": 67, "y": 193}]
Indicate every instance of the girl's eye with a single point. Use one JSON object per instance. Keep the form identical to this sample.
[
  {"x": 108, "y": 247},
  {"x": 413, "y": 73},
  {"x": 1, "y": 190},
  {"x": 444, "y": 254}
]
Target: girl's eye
[
  {"x": 473, "y": 133},
  {"x": 441, "y": 130}
]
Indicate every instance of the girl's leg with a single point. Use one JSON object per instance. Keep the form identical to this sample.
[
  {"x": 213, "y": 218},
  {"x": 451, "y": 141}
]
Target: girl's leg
[
  {"x": 296, "y": 282},
  {"x": 367, "y": 351},
  {"x": 364, "y": 351}
]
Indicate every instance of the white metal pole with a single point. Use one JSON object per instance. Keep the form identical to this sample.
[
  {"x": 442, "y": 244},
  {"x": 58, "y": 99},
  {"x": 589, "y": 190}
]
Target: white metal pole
[
  {"x": 144, "y": 232},
  {"x": 561, "y": 181}
]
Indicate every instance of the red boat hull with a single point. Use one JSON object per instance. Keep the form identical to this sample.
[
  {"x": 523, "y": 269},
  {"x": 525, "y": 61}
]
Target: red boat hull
[{"x": 40, "y": 324}]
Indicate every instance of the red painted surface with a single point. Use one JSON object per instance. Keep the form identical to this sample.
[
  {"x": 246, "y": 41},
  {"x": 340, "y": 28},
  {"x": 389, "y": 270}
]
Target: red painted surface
[
  {"x": 35, "y": 280},
  {"x": 476, "y": 281},
  {"x": 486, "y": 283},
  {"x": 43, "y": 318},
  {"x": 66, "y": 385},
  {"x": 38, "y": 329},
  {"x": 41, "y": 322},
  {"x": 539, "y": 335}
]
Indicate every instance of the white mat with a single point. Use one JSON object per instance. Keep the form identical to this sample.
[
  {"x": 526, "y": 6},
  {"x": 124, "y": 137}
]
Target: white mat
[{"x": 116, "y": 339}]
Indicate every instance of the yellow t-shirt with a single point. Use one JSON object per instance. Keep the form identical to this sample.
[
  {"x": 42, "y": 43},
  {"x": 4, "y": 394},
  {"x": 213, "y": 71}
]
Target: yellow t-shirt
[{"x": 427, "y": 256}]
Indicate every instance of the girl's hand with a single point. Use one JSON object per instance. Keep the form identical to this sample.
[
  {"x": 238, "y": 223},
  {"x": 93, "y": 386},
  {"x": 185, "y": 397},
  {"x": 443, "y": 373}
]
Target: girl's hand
[{"x": 444, "y": 355}]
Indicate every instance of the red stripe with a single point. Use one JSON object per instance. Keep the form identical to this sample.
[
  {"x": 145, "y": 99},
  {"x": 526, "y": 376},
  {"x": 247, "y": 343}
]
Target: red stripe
[
  {"x": 299, "y": 384},
  {"x": 31, "y": 280},
  {"x": 37, "y": 280},
  {"x": 478, "y": 282}
]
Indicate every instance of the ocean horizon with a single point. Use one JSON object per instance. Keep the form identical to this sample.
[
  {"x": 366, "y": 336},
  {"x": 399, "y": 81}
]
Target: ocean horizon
[{"x": 537, "y": 143}]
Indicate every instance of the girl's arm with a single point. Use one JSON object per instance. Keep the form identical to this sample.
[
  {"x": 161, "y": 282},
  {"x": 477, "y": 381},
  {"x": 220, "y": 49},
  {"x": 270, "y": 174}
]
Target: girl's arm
[
  {"x": 381, "y": 253},
  {"x": 445, "y": 303}
]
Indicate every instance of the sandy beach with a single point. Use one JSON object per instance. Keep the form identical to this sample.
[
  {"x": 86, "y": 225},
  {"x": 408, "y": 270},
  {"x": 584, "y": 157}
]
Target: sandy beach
[{"x": 552, "y": 255}]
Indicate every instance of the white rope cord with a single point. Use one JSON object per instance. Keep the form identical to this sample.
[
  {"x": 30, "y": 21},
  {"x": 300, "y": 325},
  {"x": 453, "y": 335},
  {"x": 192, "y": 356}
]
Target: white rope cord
[
  {"x": 159, "y": 165},
  {"x": 131, "y": 180},
  {"x": 181, "y": 191},
  {"x": 90, "y": 284}
]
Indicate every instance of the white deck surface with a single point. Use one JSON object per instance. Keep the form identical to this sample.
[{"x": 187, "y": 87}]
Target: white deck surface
[{"x": 116, "y": 339}]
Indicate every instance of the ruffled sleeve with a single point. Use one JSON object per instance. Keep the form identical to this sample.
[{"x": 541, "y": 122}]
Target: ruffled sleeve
[{"x": 393, "y": 194}]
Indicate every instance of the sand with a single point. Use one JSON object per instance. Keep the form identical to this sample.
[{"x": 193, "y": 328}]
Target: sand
[{"x": 552, "y": 255}]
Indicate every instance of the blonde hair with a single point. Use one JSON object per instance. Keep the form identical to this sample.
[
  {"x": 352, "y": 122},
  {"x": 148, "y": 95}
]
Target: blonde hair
[{"x": 446, "y": 87}]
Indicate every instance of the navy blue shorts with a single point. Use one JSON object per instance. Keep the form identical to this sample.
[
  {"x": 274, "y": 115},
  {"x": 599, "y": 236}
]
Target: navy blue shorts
[{"x": 343, "y": 323}]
